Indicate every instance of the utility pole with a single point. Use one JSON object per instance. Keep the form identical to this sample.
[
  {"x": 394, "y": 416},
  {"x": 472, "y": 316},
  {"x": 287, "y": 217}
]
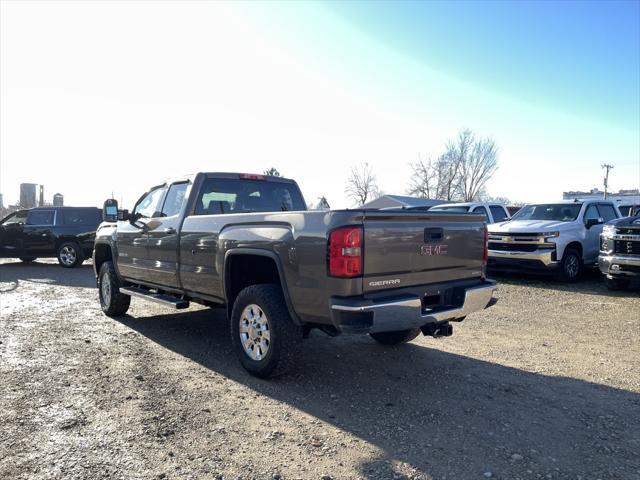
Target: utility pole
[{"x": 607, "y": 167}]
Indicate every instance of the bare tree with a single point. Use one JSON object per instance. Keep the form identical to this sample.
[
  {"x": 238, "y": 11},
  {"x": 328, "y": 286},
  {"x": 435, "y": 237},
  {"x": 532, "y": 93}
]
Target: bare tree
[
  {"x": 460, "y": 173},
  {"x": 361, "y": 184},
  {"x": 423, "y": 181},
  {"x": 435, "y": 179},
  {"x": 273, "y": 172},
  {"x": 477, "y": 168}
]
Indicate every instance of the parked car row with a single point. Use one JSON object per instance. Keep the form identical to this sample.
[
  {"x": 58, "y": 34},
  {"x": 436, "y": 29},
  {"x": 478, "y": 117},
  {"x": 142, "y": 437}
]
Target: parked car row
[
  {"x": 245, "y": 243},
  {"x": 562, "y": 238}
]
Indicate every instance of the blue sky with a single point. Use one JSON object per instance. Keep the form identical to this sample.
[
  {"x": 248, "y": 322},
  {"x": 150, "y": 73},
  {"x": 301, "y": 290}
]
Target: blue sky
[
  {"x": 141, "y": 91},
  {"x": 577, "y": 57}
]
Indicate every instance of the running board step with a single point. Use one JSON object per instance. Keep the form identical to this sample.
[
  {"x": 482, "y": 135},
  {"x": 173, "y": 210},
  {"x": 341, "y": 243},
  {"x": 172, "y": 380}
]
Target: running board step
[{"x": 166, "y": 300}]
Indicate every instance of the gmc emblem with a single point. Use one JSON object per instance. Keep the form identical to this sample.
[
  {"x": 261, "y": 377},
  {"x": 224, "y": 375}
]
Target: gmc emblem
[{"x": 433, "y": 250}]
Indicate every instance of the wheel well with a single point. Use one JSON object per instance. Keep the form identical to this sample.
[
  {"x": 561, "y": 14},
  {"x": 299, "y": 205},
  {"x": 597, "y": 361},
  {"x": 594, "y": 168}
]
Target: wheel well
[
  {"x": 102, "y": 254},
  {"x": 245, "y": 270},
  {"x": 62, "y": 240},
  {"x": 575, "y": 246}
]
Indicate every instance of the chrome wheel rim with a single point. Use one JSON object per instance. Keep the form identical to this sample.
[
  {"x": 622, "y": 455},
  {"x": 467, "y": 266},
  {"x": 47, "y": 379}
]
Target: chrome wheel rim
[
  {"x": 105, "y": 289},
  {"x": 255, "y": 332},
  {"x": 68, "y": 255},
  {"x": 572, "y": 266}
]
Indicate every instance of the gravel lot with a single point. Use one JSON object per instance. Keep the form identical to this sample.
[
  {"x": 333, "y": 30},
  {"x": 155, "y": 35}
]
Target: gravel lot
[{"x": 546, "y": 384}]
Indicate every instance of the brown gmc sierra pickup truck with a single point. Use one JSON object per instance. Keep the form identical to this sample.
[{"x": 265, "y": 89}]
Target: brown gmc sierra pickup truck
[{"x": 247, "y": 243}]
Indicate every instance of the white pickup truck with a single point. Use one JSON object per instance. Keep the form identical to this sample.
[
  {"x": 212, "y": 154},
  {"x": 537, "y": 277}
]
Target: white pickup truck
[
  {"x": 561, "y": 237},
  {"x": 493, "y": 212}
]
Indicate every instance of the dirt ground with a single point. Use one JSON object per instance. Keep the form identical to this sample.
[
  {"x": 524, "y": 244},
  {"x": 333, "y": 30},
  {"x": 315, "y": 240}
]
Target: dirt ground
[{"x": 546, "y": 385}]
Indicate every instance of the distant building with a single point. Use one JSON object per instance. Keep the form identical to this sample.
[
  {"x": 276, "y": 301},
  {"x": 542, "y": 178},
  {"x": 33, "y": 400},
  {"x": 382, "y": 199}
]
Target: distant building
[
  {"x": 28, "y": 195},
  {"x": 41, "y": 198},
  {"x": 1, "y": 201},
  {"x": 399, "y": 201},
  {"x": 595, "y": 193},
  {"x": 58, "y": 200}
]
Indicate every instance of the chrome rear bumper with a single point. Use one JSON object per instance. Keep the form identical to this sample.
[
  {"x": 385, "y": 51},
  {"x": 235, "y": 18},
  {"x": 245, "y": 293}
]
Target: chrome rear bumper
[{"x": 408, "y": 312}]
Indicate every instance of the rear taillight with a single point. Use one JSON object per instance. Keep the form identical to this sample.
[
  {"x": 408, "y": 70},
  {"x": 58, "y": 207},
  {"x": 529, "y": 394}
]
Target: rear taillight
[
  {"x": 345, "y": 252},
  {"x": 485, "y": 257}
]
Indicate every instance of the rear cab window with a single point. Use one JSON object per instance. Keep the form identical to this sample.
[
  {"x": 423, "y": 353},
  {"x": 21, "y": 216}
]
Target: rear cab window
[
  {"x": 450, "y": 208},
  {"x": 221, "y": 195}
]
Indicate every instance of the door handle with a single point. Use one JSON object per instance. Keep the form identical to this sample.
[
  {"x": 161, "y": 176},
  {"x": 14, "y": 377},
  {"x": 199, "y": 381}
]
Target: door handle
[{"x": 170, "y": 230}]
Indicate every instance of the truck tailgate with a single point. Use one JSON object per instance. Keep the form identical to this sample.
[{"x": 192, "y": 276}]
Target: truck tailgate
[{"x": 403, "y": 249}]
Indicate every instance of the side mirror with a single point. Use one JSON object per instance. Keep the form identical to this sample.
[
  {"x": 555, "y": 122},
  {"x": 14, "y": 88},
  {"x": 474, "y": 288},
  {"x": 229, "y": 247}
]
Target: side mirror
[
  {"x": 110, "y": 211},
  {"x": 594, "y": 221}
]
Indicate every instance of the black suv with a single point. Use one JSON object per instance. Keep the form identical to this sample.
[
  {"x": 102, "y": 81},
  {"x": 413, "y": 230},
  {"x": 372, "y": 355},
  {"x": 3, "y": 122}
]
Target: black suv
[{"x": 63, "y": 232}]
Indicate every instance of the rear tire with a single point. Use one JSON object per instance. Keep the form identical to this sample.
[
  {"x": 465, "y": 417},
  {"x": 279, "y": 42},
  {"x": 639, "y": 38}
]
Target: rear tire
[
  {"x": 396, "y": 337},
  {"x": 27, "y": 259},
  {"x": 571, "y": 266},
  {"x": 70, "y": 255},
  {"x": 112, "y": 302},
  {"x": 263, "y": 334},
  {"x": 616, "y": 283}
]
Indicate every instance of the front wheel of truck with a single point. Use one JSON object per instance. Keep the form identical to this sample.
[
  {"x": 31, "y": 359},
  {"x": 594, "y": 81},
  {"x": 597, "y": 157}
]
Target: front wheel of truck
[
  {"x": 396, "y": 337},
  {"x": 263, "y": 333},
  {"x": 112, "y": 302}
]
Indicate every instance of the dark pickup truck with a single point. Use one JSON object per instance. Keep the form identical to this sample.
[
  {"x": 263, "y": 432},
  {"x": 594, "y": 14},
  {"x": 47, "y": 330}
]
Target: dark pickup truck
[
  {"x": 619, "y": 258},
  {"x": 63, "y": 232},
  {"x": 246, "y": 243}
]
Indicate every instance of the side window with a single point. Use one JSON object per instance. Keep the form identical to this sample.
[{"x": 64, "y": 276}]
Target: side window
[
  {"x": 498, "y": 213},
  {"x": 483, "y": 211},
  {"x": 176, "y": 196},
  {"x": 18, "y": 217},
  {"x": 626, "y": 210},
  {"x": 591, "y": 213},
  {"x": 150, "y": 204},
  {"x": 40, "y": 217},
  {"x": 607, "y": 212}
]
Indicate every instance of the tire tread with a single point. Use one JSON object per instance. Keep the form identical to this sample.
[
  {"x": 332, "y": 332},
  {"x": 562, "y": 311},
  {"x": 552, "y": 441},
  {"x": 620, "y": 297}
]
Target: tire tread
[
  {"x": 119, "y": 301},
  {"x": 287, "y": 334}
]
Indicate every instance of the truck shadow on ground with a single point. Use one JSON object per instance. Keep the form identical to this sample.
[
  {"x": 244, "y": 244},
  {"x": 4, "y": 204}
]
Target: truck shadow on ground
[
  {"x": 444, "y": 414},
  {"x": 591, "y": 283},
  {"x": 44, "y": 272}
]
